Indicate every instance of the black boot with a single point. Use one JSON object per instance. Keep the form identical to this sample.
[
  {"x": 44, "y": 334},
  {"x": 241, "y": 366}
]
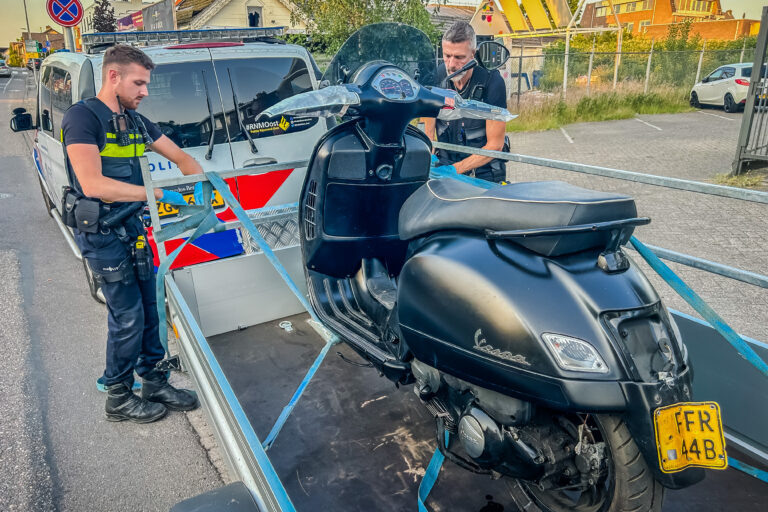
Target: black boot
[
  {"x": 122, "y": 404},
  {"x": 157, "y": 389}
]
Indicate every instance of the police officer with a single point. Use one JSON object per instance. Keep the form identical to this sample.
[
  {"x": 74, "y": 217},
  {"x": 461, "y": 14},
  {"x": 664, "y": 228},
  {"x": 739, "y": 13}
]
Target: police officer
[
  {"x": 459, "y": 45},
  {"x": 103, "y": 138}
]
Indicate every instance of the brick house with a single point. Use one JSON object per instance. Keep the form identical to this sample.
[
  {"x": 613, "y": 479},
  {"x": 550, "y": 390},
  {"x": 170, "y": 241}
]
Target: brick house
[{"x": 653, "y": 18}]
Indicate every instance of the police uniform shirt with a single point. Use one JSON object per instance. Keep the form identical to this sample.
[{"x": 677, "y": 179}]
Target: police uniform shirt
[
  {"x": 79, "y": 127},
  {"x": 488, "y": 87}
]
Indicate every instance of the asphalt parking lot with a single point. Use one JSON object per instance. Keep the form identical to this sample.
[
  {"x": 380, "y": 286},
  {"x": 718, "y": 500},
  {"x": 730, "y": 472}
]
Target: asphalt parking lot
[{"x": 695, "y": 146}]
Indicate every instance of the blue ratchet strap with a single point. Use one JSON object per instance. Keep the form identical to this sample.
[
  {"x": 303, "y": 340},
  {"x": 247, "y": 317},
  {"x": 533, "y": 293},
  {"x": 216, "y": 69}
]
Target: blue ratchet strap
[
  {"x": 246, "y": 222},
  {"x": 201, "y": 219},
  {"x": 697, "y": 303},
  {"x": 746, "y": 468},
  {"x": 430, "y": 476},
  {"x": 288, "y": 409}
]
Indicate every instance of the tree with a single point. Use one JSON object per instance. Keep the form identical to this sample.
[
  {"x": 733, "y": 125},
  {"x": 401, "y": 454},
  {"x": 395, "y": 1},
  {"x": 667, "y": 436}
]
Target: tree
[
  {"x": 333, "y": 21},
  {"x": 104, "y": 17}
]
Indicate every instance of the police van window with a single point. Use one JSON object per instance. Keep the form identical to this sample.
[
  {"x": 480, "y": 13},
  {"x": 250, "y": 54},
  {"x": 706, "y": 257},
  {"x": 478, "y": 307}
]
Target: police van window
[
  {"x": 45, "y": 101},
  {"x": 177, "y": 103},
  {"x": 258, "y": 84},
  {"x": 61, "y": 96}
]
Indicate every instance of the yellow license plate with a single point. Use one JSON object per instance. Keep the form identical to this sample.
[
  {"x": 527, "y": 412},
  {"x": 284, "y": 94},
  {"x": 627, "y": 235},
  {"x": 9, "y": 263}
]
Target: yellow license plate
[
  {"x": 167, "y": 210},
  {"x": 690, "y": 434}
]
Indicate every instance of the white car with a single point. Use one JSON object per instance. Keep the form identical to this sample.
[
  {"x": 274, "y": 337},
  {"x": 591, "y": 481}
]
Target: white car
[
  {"x": 5, "y": 71},
  {"x": 726, "y": 86}
]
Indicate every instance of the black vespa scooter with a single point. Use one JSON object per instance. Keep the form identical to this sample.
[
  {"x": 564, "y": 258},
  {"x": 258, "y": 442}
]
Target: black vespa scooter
[{"x": 514, "y": 312}]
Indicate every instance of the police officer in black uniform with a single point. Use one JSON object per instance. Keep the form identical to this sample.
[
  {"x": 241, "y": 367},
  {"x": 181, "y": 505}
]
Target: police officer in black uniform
[
  {"x": 459, "y": 45},
  {"x": 103, "y": 139}
]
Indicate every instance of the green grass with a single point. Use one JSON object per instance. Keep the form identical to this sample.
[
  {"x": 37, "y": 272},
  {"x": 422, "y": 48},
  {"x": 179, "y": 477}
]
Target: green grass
[
  {"x": 551, "y": 112},
  {"x": 746, "y": 180}
]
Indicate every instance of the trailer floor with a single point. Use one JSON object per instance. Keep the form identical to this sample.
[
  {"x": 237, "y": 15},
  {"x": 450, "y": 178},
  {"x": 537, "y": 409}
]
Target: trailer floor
[{"x": 355, "y": 442}]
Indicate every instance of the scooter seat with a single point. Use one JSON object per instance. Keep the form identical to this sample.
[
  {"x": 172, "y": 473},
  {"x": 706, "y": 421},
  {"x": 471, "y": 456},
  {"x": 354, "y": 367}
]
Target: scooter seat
[{"x": 447, "y": 204}]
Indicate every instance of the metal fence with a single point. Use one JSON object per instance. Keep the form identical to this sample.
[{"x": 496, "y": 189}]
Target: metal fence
[
  {"x": 753, "y": 137},
  {"x": 579, "y": 73}
]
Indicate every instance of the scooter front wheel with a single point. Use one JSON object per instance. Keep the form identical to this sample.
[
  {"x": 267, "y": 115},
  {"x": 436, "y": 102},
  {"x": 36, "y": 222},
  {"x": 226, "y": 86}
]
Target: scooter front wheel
[{"x": 628, "y": 483}]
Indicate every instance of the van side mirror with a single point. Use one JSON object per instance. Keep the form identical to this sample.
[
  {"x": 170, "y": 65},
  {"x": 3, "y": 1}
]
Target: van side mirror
[
  {"x": 492, "y": 55},
  {"x": 705, "y": 80},
  {"x": 21, "y": 120}
]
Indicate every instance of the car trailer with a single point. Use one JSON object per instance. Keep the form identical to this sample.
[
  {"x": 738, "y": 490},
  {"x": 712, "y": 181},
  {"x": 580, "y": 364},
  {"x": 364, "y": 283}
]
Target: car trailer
[{"x": 351, "y": 441}]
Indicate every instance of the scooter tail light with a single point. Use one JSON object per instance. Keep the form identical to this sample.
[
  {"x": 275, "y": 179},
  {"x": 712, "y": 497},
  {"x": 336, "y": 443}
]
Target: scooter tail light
[
  {"x": 574, "y": 354},
  {"x": 741, "y": 81}
]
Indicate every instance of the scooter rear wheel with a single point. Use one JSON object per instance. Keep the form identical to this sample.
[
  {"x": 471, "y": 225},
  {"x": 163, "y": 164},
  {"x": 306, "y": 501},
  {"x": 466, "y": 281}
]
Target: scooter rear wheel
[{"x": 628, "y": 485}]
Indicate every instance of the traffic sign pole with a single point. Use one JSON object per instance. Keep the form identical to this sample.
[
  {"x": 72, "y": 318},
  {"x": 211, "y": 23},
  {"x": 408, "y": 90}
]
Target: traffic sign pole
[{"x": 69, "y": 38}]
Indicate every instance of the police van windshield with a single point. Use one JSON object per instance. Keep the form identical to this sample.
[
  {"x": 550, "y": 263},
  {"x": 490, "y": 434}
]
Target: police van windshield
[
  {"x": 177, "y": 103},
  {"x": 257, "y": 84}
]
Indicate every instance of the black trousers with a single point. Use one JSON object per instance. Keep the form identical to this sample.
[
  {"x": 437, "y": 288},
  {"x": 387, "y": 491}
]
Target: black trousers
[{"x": 133, "y": 341}]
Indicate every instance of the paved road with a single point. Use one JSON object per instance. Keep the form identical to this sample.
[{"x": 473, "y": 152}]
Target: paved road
[
  {"x": 694, "y": 146},
  {"x": 56, "y": 450}
]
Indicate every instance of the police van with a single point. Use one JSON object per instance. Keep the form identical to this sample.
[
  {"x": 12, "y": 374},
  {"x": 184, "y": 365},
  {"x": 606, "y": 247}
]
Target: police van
[{"x": 206, "y": 93}]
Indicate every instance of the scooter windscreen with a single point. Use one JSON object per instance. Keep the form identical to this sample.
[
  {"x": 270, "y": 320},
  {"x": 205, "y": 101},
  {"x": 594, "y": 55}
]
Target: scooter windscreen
[{"x": 404, "y": 46}]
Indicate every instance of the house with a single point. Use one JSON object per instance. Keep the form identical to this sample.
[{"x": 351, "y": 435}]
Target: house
[
  {"x": 654, "y": 17},
  {"x": 121, "y": 8},
  {"x": 49, "y": 35},
  {"x": 197, "y": 14}
]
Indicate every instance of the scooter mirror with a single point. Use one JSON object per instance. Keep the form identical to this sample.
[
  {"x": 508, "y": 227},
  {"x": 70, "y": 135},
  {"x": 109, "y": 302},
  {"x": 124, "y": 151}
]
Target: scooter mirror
[{"x": 492, "y": 55}]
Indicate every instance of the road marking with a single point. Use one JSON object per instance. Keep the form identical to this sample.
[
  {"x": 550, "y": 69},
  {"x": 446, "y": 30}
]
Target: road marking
[
  {"x": 710, "y": 114},
  {"x": 565, "y": 134},
  {"x": 647, "y": 123},
  {"x": 7, "y": 84}
]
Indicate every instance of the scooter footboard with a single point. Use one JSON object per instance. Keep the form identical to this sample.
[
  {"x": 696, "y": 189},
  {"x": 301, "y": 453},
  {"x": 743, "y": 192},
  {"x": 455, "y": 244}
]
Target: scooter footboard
[{"x": 642, "y": 400}]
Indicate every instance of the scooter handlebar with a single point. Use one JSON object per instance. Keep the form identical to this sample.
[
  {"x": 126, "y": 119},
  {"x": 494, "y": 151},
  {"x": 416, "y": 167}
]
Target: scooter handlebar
[
  {"x": 326, "y": 102},
  {"x": 457, "y": 107}
]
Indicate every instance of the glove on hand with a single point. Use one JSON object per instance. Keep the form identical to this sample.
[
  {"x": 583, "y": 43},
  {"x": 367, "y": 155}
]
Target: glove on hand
[
  {"x": 172, "y": 197},
  {"x": 199, "y": 193},
  {"x": 445, "y": 168}
]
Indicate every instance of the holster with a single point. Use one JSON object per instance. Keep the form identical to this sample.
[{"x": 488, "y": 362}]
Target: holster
[
  {"x": 69, "y": 200},
  {"x": 87, "y": 215}
]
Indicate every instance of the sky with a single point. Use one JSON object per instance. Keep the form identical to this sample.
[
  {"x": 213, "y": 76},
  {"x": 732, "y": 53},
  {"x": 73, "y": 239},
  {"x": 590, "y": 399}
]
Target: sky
[{"x": 12, "y": 20}]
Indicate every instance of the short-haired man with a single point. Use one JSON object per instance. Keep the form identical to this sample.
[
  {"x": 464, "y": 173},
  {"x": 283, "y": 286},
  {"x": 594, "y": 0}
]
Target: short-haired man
[
  {"x": 103, "y": 139},
  {"x": 459, "y": 46}
]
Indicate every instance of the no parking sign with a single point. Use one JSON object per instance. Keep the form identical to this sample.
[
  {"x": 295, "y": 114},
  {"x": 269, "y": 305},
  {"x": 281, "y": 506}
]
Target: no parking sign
[{"x": 66, "y": 13}]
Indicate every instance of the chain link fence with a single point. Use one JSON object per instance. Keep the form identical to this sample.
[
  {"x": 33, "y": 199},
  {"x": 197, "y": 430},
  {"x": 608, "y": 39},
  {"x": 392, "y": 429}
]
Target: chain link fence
[{"x": 531, "y": 70}]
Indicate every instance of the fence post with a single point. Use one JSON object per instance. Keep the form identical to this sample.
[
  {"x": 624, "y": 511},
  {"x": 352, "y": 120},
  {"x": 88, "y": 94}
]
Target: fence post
[
  {"x": 617, "y": 62},
  {"x": 565, "y": 61},
  {"x": 648, "y": 68},
  {"x": 701, "y": 57},
  {"x": 589, "y": 70},
  {"x": 519, "y": 75},
  {"x": 743, "y": 47}
]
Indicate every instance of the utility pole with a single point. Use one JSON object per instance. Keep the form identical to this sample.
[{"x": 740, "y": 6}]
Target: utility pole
[{"x": 29, "y": 34}]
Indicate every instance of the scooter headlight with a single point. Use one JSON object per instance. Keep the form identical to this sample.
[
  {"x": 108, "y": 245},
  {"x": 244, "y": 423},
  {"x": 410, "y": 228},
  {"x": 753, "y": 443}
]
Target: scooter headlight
[{"x": 574, "y": 354}]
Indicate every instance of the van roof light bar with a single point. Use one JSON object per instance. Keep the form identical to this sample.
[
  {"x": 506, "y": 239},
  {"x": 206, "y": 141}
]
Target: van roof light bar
[{"x": 99, "y": 40}]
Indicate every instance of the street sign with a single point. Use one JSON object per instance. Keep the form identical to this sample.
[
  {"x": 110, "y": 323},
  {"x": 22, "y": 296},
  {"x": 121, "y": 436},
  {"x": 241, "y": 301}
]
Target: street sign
[
  {"x": 66, "y": 13},
  {"x": 30, "y": 46}
]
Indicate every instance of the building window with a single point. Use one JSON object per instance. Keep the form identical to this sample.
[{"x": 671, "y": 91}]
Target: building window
[
  {"x": 643, "y": 25},
  {"x": 628, "y": 27},
  {"x": 254, "y": 17},
  {"x": 600, "y": 12},
  {"x": 631, "y": 7},
  {"x": 617, "y": 8}
]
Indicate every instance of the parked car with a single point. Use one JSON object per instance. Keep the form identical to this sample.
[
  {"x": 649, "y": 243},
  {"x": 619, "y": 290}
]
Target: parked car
[
  {"x": 33, "y": 62},
  {"x": 5, "y": 71},
  {"x": 726, "y": 86}
]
